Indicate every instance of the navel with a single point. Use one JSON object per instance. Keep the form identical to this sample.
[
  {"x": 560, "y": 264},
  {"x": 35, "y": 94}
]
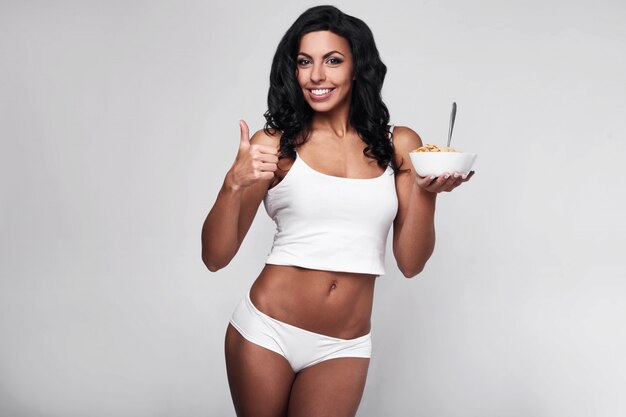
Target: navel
[{"x": 333, "y": 286}]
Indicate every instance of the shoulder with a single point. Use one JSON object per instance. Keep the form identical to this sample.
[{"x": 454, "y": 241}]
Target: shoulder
[
  {"x": 261, "y": 137},
  {"x": 405, "y": 140}
]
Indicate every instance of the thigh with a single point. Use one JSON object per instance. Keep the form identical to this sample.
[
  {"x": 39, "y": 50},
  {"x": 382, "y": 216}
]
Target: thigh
[
  {"x": 329, "y": 388},
  {"x": 260, "y": 380}
]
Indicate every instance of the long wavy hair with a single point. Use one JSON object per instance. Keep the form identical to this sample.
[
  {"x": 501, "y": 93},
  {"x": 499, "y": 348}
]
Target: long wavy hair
[{"x": 288, "y": 111}]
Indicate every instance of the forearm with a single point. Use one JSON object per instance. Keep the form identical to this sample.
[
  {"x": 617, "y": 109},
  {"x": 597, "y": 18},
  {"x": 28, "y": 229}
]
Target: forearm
[
  {"x": 220, "y": 232},
  {"x": 414, "y": 234}
]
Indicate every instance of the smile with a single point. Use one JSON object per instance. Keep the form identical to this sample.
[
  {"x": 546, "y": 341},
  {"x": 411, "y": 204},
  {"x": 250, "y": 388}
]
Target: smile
[{"x": 320, "y": 93}]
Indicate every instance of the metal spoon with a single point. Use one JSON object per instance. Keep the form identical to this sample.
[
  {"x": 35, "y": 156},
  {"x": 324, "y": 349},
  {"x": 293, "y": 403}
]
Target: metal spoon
[{"x": 452, "y": 117}]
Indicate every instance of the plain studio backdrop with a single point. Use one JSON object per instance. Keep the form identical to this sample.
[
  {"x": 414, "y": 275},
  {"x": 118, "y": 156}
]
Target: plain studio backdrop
[{"x": 119, "y": 120}]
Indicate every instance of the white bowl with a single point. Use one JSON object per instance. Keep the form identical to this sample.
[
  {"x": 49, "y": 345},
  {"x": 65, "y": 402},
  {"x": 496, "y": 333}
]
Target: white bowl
[{"x": 438, "y": 163}]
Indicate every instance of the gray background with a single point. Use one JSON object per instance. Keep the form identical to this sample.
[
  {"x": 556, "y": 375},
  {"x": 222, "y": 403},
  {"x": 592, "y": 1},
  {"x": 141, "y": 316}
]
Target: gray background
[{"x": 118, "y": 121}]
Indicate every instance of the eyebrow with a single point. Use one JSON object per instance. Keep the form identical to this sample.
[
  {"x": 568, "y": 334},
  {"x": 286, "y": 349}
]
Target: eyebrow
[{"x": 326, "y": 55}]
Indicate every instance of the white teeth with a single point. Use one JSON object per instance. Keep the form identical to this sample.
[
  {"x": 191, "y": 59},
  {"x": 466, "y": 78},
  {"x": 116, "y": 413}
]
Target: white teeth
[{"x": 321, "y": 92}]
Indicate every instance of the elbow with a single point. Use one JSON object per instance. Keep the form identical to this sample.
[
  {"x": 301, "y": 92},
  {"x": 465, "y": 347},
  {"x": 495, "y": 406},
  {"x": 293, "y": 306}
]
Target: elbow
[
  {"x": 412, "y": 264},
  {"x": 212, "y": 267},
  {"x": 216, "y": 257},
  {"x": 411, "y": 271},
  {"x": 212, "y": 264},
  {"x": 411, "y": 267}
]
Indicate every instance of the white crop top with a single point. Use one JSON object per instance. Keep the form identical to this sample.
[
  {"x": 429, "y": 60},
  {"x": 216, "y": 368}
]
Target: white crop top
[{"x": 331, "y": 223}]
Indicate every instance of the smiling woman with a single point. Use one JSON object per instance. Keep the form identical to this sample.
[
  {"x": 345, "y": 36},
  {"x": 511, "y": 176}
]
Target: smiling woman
[
  {"x": 299, "y": 342},
  {"x": 325, "y": 77}
]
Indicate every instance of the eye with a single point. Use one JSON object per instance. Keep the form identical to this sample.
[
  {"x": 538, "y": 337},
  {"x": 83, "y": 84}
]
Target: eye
[
  {"x": 303, "y": 62},
  {"x": 334, "y": 61}
]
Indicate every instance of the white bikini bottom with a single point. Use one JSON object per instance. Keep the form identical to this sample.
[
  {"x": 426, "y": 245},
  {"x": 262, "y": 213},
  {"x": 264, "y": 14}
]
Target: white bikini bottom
[{"x": 300, "y": 347}]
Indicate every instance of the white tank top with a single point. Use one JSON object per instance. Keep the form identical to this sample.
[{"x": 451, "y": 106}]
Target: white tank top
[{"x": 331, "y": 223}]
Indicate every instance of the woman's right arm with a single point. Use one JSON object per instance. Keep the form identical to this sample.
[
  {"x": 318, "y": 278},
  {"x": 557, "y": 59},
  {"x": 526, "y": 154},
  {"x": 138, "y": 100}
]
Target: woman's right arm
[{"x": 238, "y": 200}]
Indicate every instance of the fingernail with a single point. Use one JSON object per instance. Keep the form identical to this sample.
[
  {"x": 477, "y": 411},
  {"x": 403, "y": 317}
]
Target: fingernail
[
  {"x": 464, "y": 176},
  {"x": 446, "y": 177},
  {"x": 456, "y": 175},
  {"x": 432, "y": 177}
]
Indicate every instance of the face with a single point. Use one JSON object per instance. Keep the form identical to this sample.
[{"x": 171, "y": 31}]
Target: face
[{"x": 325, "y": 71}]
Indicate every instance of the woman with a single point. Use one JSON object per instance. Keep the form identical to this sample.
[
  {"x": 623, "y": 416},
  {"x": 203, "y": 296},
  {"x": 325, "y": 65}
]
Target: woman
[{"x": 334, "y": 176}]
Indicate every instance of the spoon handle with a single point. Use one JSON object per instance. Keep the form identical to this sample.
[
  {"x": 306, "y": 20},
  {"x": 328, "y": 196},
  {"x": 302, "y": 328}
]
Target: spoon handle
[{"x": 452, "y": 117}]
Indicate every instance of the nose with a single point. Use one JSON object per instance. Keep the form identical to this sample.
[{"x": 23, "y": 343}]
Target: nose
[{"x": 317, "y": 73}]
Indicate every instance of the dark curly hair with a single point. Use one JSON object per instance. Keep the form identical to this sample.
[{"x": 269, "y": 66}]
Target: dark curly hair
[{"x": 288, "y": 111}]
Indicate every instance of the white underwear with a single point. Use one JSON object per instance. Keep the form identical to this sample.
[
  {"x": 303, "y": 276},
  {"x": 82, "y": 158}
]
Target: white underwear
[{"x": 300, "y": 347}]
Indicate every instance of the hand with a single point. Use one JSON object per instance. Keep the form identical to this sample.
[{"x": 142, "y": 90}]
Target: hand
[
  {"x": 444, "y": 183},
  {"x": 254, "y": 162}
]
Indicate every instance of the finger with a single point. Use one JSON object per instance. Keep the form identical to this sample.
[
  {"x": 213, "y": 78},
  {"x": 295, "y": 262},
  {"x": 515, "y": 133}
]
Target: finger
[
  {"x": 442, "y": 183},
  {"x": 273, "y": 159},
  {"x": 468, "y": 176},
  {"x": 244, "y": 139},
  {"x": 445, "y": 180},
  {"x": 458, "y": 179},
  {"x": 453, "y": 182},
  {"x": 265, "y": 167},
  {"x": 266, "y": 149},
  {"x": 451, "y": 186},
  {"x": 438, "y": 183},
  {"x": 425, "y": 182}
]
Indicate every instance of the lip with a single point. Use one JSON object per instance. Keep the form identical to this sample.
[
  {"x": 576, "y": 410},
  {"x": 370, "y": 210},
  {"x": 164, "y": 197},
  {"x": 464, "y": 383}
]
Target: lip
[{"x": 323, "y": 97}]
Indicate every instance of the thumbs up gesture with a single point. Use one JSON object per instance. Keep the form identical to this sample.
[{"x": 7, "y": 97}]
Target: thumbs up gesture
[{"x": 254, "y": 162}]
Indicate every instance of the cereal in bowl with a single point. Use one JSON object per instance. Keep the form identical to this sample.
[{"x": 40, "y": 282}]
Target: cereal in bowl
[{"x": 434, "y": 148}]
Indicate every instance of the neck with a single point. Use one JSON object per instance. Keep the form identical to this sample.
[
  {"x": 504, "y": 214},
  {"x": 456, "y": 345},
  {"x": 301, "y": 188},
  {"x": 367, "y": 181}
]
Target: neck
[{"x": 336, "y": 122}]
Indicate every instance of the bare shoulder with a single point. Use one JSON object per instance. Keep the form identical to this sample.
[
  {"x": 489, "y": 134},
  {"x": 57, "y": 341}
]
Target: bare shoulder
[
  {"x": 405, "y": 140},
  {"x": 263, "y": 138}
]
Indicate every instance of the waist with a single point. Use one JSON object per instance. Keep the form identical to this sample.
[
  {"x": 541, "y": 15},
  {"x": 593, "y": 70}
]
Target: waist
[{"x": 337, "y": 304}]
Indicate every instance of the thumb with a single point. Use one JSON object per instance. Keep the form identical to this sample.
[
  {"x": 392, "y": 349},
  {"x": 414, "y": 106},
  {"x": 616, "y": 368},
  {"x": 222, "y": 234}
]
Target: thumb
[{"x": 244, "y": 140}]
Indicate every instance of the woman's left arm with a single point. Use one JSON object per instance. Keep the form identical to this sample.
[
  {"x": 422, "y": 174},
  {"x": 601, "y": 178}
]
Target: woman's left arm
[{"x": 414, "y": 225}]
